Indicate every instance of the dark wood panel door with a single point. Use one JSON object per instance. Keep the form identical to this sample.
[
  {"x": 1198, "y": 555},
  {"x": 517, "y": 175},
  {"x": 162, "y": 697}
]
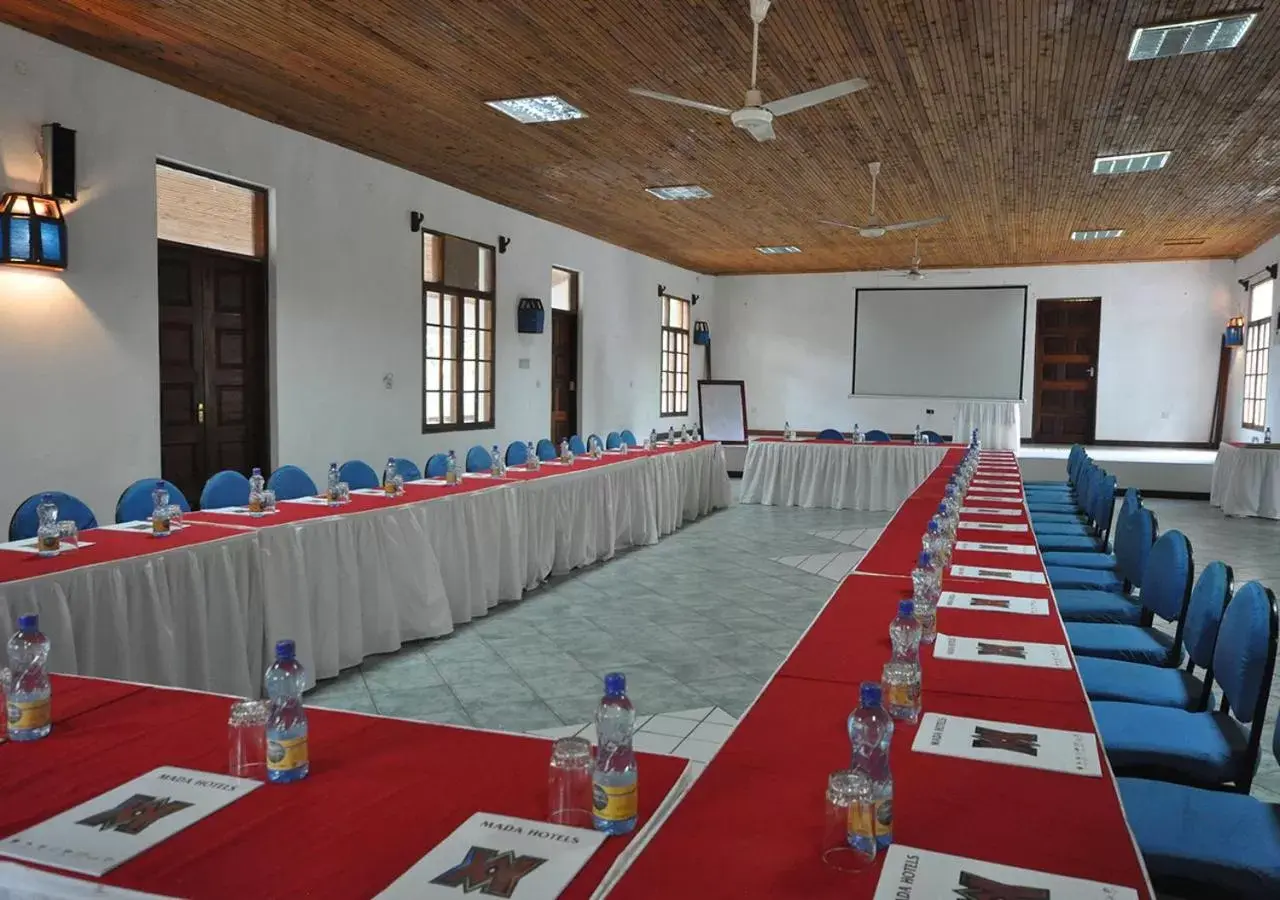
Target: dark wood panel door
[
  {"x": 1066, "y": 382},
  {"x": 213, "y": 373},
  {"x": 564, "y": 375}
]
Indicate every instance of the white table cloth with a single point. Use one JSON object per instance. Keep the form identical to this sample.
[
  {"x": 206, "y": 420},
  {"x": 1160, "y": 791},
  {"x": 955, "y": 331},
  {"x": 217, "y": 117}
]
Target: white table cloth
[
  {"x": 1246, "y": 480},
  {"x": 875, "y": 477},
  {"x": 999, "y": 423}
]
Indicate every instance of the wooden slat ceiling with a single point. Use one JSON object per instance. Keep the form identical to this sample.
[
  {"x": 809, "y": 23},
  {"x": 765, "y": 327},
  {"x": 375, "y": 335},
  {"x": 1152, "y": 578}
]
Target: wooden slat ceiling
[{"x": 989, "y": 111}]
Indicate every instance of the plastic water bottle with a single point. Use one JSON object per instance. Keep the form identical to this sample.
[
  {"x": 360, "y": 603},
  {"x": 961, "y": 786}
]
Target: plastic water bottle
[
  {"x": 671, "y": 434},
  {"x": 389, "y": 486},
  {"x": 160, "y": 510},
  {"x": 451, "y": 469},
  {"x": 331, "y": 484},
  {"x": 916, "y": 439},
  {"x": 499, "y": 467},
  {"x": 257, "y": 484},
  {"x": 566, "y": 455},
  {"x": 653, "y": 439},
  {"x": 531, "y": 460},
  {"x": 48, "y": 537},
  {"x": 870, "y": 733},
  {"x": 1266, "y": 437},
  {"x": 287, "y": 755},
  {"x": 902, "y": 671},
  {"x": 924, "y": 594},
  {"x": 614, "y": 777},
  {"x": 28, "y": 696},
  {"x": 787, "y": 434},
  {"x": 856, "y": 437}
]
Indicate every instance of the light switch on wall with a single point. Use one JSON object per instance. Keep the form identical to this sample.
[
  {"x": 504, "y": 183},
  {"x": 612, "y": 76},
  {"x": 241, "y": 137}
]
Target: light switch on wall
[{"x": 524, "y": 363}]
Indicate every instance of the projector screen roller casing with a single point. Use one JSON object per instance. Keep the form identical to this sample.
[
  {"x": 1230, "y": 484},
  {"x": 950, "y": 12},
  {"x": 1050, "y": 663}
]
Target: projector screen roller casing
[{"x": 966, "y": 343}]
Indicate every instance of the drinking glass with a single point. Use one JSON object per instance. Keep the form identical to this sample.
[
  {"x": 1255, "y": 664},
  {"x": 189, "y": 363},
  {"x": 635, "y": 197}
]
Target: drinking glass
[
  {"x": 174, "y": 514},
  {"x": 268, "y": 501},
  {"x": 848, "y": 806},
  {"x": 68, "y": 535},
  {"x": 344, "y": 492},
  {"x": 247, "y": 739},
  {"x": 569, "y": 800}
]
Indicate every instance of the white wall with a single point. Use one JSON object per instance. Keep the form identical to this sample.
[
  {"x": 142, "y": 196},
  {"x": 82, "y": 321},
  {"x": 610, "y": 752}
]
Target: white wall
[
  {"x": 1266, "y": 254},
  {"x": 78, "y": 350},
  {"x": 791, "y": 337}
]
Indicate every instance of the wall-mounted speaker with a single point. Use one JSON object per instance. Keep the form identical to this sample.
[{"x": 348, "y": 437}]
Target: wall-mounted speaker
[{"x": 59, "y": 179}]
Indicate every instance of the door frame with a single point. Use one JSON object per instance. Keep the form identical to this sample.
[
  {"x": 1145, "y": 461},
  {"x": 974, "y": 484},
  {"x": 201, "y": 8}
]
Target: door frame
[
  {"x": 576, "y": 312},
  {"x": 1038, "y": 379}
]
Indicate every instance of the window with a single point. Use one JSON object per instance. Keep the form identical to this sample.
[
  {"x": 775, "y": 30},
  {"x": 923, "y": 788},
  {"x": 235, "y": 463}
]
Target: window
[
  {"x": 1257, "y": 353},
  {"x": 207, "y": 212},
  {"x": 675, "y": 356},
  {"x": 564, "y": 289},
  {"x": 457, "y": 341}
]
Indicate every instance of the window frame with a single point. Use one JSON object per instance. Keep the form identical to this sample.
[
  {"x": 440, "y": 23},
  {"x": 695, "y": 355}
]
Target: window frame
[
  {"x": 458, "y": 296},
  {"x": 681, "y": 338},
  {"x": 1261, "y": 330}
]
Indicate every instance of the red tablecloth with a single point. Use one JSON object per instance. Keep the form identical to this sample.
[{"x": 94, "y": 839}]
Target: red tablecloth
[{"x": 381, "y": 792}]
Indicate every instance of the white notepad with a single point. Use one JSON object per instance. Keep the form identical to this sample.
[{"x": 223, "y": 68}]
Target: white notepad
[
  {"x": 991, "y": 488},
  {"x": 977, "y": 496},
  {"x": 1027, "y": 606},
  {"x": 1018, "y": 549},
  {"x": 1002, "y": 652},
  {"x": 992, "y": 511},
  {"x": 29, "y": 546},
  {"x": 142, "y": 526},
  {"x": 1022, "y": 576},
  {"x": 993, "y": 526},
  {"x": 913, "y": 874},
  {"x": 1029, "y": 746}
]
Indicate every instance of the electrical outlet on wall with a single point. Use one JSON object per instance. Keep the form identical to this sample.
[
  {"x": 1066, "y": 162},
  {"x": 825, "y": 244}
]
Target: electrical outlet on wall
[
  {"x": 388, "y": 381},
  {"x": 928, "y": 412}
]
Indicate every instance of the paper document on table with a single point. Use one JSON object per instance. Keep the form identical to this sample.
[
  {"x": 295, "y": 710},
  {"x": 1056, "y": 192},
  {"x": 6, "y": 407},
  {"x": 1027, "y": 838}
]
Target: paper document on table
[
  {"x": 1027, "y": 606},
  {"x": 308, "y": 501},
  {"x": 923, "y": 875},
  {"x": 29, "y": 546},
  {"x": 992, "y": 510},
  {"x": 1022, "y": 576},
  {"x": 1002, "y": 652},
  {"x": 977, "y": 496},
  {"x": 142, "y": 526},
  {"x": 1030, "y": 746},
  {"x": 988, "y": 488},
  {"x": 432, "y": 481},
  {"x": 992, "y": 481},
  {"x": 112, "y": 828},
  {"x": 371, "y": 492},
  {"x": 20, "y": 883},
  {"x": 242, "y": 511},
  {"x": 993, "y": 526},
  {"x": 501, "y": 855},
  {"x": 1018, "y": 549}
]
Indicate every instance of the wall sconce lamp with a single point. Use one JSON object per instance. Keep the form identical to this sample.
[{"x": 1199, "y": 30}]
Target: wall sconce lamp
[
  {"x": 32, "y": 231},
  {"x": 1234, "y": 335}
]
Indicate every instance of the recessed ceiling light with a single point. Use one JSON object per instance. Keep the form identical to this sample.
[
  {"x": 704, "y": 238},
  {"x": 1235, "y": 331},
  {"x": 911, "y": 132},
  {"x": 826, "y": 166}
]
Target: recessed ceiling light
[
  {"x": 531, "y": 110},
  {"x": 787, "y": 248},
  {"x": 1130, "y": 163},
  {"x": 1097, "y": 234},
  {"x": 680, "y": 192},
  {"x": 1200, "y": 36}
]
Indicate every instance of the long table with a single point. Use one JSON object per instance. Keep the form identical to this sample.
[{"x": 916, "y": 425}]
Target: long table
[
  {"x": 381, "y": 793},
  {"x": 203, "y": 608},
  {"x": 752, "y": 823},
  {"x": 1246, "y": 480}
]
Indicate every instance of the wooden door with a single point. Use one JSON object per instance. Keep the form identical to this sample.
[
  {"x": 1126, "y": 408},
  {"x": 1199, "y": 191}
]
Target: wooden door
[
  {"x": 564, "y": 374},
  {"x": 1066, "y": 382},
  {"x": 213, "y": 373}
]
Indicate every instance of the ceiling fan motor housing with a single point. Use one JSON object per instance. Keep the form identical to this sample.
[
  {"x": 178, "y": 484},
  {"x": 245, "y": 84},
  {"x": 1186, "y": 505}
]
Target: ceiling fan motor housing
[{"x": 753, "y": 119}]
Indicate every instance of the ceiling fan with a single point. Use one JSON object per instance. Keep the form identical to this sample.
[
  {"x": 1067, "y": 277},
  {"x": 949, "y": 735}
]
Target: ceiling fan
[
  {"x": 915, "y": 273},
  {"x": 874, "y": 227},
  {"x": 756, "y": 117}
]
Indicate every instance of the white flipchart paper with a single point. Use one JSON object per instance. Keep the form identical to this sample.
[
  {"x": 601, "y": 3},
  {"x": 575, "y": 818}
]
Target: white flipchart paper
[
  {"x": 1029, "y": 746},
  {"x": 992, "y": 510},
  {"x": 112, "y": 828},
  {"x": 536, "y": 860},
  {"x": 1026, "y": 606},
  {"x": 20, "y": 883},
  {"x": 913, "y": 874},
  {"x": 984, "y": 547},
  {"x": 1021, "y": 576},
  {"x": 994, "y": 526},
  {"x": 1002, "y": 652}
]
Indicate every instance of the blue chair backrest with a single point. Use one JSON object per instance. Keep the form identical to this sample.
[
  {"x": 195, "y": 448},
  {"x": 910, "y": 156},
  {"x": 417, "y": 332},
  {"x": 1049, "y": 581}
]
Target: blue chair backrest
[
  {"x": 359, "y": 475},
  {"x": 478, "y": 459},
  {"x": 1204, "y": 612},
  {"x": 1166, "y": 583},
  {"x": 546, "y": 450},
  {"x": 25, "y": 523},
  {"x": 225, "y": 488},
  {"x": 932, "y": 436},
  {"x": 1245, "y": 657},
  {"x": 576, "y": 446},
  {"x": 407, "y": 469},
  {"x": 437, "y": 465},
  {"x": 592, "y": 440},
  {"x": 876, "y": 436},
  {"x": 612, "y": 441},
  {"x": 290, "y": 483},
  {"x": 628, "y": 438},
  {"x": 517, "y": 453},
  {"x": 1103, "y": 504},
  {"x": 135, "y": 501},
  {"x": 1132, "y": 499},
  {"x": 830, "y": 434},
  {"x": 1135, "y": 535}
]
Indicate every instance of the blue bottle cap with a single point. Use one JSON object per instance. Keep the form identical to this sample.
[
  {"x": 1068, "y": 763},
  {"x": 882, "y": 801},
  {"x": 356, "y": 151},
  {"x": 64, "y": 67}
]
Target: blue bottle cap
[
  {"x": 615, "y": 684},
  {"x": 933, "y": 526},
  {"x": 285, "y": 650},
  {"x": 257, "y": 471},
  {"x": 942, "y": 509},
  {"x": 870, "y": 693},
  {"x": 906, "y": 608},
  {"x": 29, "y": 622},
  {"x": 160, "y": 485},
  {"x": 923, "y": 560}
]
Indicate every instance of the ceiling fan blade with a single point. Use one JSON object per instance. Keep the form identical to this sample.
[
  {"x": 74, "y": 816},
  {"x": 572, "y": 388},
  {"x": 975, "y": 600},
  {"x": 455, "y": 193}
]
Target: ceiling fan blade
[
  {"x": 681, "y": 101},
  {"x": 813, "y": 98},
  {"x": 921, "y": 223},
  {"x": 840, "y": 224}
]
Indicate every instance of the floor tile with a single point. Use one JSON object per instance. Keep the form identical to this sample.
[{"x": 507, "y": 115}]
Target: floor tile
[
  {"x": 718, "y": 716},
  {"x": 400, "y": 671},
  {"x": 497, "y": 689},
  {"x": 698, "y": 751},
  {"x": 420, "y": 703},
  {"x": 668, "y": 725},
  {"x": 651, "y": 742},
  {"x": 696, "y": 715},
  {"x": 712, "y": 733},
  {"x": 512, "y": 715},
  {"x": 558, "y": 731}
]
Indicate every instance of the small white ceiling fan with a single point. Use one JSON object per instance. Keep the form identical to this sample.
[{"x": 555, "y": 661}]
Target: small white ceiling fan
[
  {"x": 874, "y": 228},
  {"x": 915, "y": 273},
  {"x": 756, "y": 117}
]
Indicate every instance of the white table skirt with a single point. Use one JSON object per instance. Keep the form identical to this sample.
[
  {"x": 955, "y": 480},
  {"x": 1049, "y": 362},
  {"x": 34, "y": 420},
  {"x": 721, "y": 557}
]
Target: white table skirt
[
  {"x": 1246, "y": 481},
  {"x": 999, "y": 423},
  {"x": 875, "y": 477}
]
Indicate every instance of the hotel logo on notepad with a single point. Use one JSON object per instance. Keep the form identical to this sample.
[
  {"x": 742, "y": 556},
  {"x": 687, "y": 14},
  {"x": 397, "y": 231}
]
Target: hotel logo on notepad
[
  {"x": 975, "y": 887},
  {"x": 1026, "y": 742},
  {"x": 493, "y": 873},
  {"x": 134, "y": 815}
]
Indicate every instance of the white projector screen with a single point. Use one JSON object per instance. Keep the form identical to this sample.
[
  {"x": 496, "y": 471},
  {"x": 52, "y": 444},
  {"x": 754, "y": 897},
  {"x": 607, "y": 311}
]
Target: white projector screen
[{"x": 939, "y": 342}]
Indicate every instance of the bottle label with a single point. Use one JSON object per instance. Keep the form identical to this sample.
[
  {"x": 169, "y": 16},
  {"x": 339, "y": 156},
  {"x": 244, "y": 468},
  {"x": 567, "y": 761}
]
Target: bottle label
[
  {"x": 255, "y": 503},
  {"x": 48, "y": 543},
  {"x": 29, "y": 714},
  {"x": 287, "y": 753},
  {"x": 159, "y": 524},
  {"x": 904, "y": 695},
  {"x": 615, "y": 803},
  {"x": 868, "y": 820},
  {"x": 389, "y": 488}
]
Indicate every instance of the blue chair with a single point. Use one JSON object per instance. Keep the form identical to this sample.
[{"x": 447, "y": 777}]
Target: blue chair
[
  {"x": 437, "y": 465},
  {"x": 225, "y": 488},
  {"x": 1071, "y": 516},
  {"x": 576, "y": 446},
  {"x": 1100, "y": 511},
  {"x": 931, "y": 436},
  {"x": 407, "y": 469},
  {"x": 290, "y": 483},
  {"x": 1075, "y": 457},
  {"x": 1101, "y": 559},
  {"x": 517, "y": 453},
  {"x": 1134, "y": 540},
  {"x": 1056, "y": 507},
  {"x": 135, "y": 501},
  {"x": 1166, "y": 590},
  {"x": 876, "y": 436},
  {"x": 612, "y": 441},
  {"x": 594, "y": 439},
  {"x": 359, "y": 475},
  {"x": 1206, "y": 749},
  {"x": 478, "y": 459},
  {"x": 629, "y": 439},
  {"x": 546, "y": 450},
  {"x": 1129, "y": 682},
  {"x": 830, "y": 434},
  {"x": 25, "y": 522}
]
